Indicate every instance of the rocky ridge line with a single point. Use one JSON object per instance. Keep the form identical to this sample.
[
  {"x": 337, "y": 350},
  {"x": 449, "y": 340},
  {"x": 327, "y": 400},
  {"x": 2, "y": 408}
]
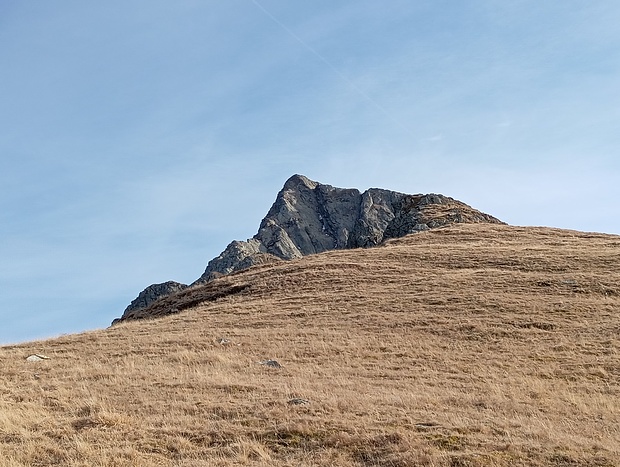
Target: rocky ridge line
[{"x": 309, "y": 217}]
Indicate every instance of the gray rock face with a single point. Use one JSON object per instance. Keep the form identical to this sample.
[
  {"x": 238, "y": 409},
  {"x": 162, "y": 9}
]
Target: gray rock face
[
  {"x": 237, "y": 255},
  {"x": 308, "y": 217}
]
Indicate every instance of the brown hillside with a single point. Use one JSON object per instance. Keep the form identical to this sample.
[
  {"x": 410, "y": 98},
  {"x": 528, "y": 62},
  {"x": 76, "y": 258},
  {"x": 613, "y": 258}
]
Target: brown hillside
[{"x": 472, "y": 345}]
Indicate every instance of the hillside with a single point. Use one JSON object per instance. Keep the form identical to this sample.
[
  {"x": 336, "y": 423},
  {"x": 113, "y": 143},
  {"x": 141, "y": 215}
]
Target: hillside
[{"x": 469, "y": 345}]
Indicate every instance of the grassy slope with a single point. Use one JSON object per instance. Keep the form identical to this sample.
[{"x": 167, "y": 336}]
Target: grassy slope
[{"x": 475, "y": 345}]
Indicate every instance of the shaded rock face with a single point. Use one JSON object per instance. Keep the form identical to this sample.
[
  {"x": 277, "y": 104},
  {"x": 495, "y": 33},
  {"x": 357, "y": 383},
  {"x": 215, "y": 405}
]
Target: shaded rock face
[
  {"x": 184, "y": 299},
  {"x": 151, "y": 294},
  {"x": 308, "y": 217}
]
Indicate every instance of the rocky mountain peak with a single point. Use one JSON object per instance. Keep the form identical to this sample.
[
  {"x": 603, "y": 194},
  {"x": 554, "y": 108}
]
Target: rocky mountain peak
[
  {"x": 308, "y": 217},
  {"x": 298, "y": 182}
]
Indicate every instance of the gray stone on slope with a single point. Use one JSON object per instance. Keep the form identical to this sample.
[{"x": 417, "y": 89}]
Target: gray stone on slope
[
  {"x": 36, "y": 358},
  {"x": 298, "y": 401},
  {"x": 271, "y": 363}
]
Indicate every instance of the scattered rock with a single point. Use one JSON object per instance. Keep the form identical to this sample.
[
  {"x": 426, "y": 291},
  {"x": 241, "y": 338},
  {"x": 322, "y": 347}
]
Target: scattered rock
[
  {"x": 270, "y": 363},
  {"x": 537, "y": 325},
  {"x": 36, "y": 358},
  {"x": 298, "y": 401},
  {"x": 427, "y": 425}
]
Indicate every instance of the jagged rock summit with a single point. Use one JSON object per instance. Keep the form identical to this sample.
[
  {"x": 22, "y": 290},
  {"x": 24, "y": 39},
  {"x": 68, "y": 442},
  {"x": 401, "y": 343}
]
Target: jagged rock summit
[{"x": 309, "y": 217}]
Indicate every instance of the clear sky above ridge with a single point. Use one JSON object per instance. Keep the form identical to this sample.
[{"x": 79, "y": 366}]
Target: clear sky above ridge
[{"x": 140, "y": 137}]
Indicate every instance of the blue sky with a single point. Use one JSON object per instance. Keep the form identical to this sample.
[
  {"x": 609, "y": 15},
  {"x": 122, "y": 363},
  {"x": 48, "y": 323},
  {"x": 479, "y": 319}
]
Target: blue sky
[{"x": 139, "y": 138}]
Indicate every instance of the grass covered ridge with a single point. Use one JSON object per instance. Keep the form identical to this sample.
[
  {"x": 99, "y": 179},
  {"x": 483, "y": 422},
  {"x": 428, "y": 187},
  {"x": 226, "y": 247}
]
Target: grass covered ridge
[{"x": 473, "y": 345}]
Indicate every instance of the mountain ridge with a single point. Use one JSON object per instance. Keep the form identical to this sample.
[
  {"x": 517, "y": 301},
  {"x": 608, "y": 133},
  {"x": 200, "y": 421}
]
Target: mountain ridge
[{"x": 309, "y": 217}]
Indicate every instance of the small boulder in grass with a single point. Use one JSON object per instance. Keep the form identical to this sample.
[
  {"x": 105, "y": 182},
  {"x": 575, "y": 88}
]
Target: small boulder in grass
[
  {"x": 36, "y": 358},
  {"x": 298, "y": 401},
  {"x": 270, "y": 363},
  {"x": 226, "y": 342}
]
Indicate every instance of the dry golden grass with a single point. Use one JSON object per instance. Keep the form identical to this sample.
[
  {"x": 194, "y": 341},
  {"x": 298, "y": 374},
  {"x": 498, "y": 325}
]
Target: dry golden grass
[{"x": 474, "y": 345}]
